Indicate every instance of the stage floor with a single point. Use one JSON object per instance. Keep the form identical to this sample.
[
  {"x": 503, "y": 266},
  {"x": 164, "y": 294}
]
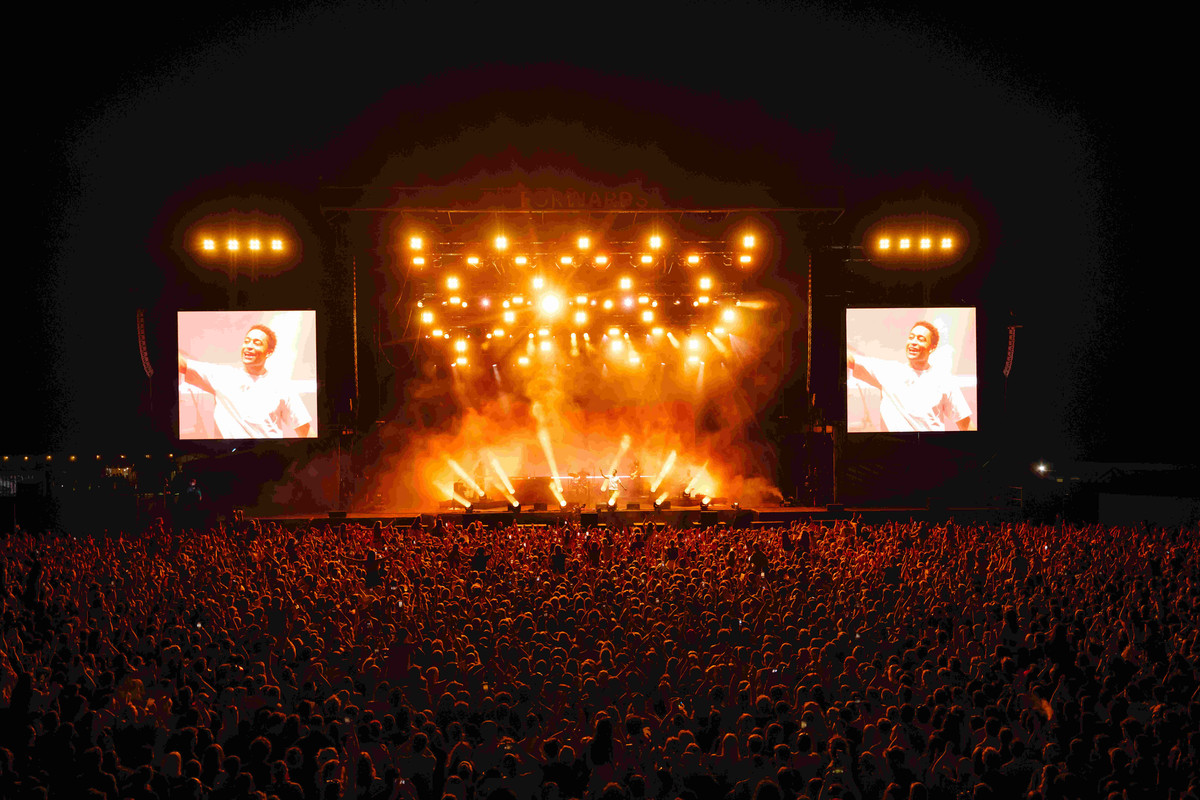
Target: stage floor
[{"x": 685, "y": 517}]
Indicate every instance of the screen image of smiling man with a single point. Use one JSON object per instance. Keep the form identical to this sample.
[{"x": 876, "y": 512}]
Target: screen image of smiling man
[
  {"x": 251, "y": 402},
  {"x": 915, "y": 397}
]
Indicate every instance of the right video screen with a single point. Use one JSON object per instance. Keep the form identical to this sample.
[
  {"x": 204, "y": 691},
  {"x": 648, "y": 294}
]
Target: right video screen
[{"x": 911, "y": 370}]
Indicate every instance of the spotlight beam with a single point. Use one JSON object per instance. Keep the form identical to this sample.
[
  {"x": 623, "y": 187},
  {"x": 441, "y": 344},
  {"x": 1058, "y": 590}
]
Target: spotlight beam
[
  {"x": 695, "y": 479},
  {"x": 462, "y": 473},
  {"x": 662, "y": 473}
]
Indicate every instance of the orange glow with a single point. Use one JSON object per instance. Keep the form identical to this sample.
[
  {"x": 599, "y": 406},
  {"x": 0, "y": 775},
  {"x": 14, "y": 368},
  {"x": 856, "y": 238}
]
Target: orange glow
[
  {"x": 231, "y": 244},
  {"x": 436, "y": 333},
  {"x": 256, "y": 244},
  {"x": 415, "y": 243},
  {"x": 728, "y": 315},
  {"x": 510, "y": 316},
  {"x": 209, "y": 244},
  {"x": 452, "y": 282},
  {"x": 584, "y": 243},
  {"x": 608, "y": 304},
  {"x": 521, "y": 261},
  {"x": 501, "y": 242},
  {"x": 647, "y": 259},
  {"x": 693, "y": 259},
  {"x": 926, "y": 243},
  {"x": 427, "y": 317},
  {"x": 461, "y": 345},
  {"x": 947, "y": 243},
  {"x": 744, "y": 259},
  {"x": 277, "y": 244},
  {"x": 748, "y": 241},
  {"x": 655, "y": 242},
  {"x": 626, "y": 283},
  {"x": 580, "y": 317},
  {"x": 601, "y": 260},
  {"x": 566, "y": 261},
  {"x": 905, "y": 243},
  {"x": 473, "y": 261},
  {"x": 539, "y": 282},
  {"x": 706, "y": 283},
  {"x": 647, "y": 316},
  {"x": 581, "y": 299},
  {"x": 551, "y": 304},
  {"x": 885, "y": 243},
  {"x": 418, "y": 261}
]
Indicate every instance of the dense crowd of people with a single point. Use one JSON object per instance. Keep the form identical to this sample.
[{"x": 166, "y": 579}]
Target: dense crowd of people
[{"x": 900, "y": 661}]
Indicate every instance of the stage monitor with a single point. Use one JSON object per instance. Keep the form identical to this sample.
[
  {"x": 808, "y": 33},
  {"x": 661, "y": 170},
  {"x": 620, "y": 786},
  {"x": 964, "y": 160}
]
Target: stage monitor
[
  {"x": 911, "y": 370},
  {"x": 247, "y": 374}
]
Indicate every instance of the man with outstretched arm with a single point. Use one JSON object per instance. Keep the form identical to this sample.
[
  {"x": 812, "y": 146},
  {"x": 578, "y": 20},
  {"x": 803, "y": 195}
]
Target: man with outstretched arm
[{"x": 252, "y": 403}]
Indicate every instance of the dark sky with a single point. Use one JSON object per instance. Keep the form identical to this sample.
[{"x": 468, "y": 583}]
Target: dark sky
[{"x": 1030, "y": 115}]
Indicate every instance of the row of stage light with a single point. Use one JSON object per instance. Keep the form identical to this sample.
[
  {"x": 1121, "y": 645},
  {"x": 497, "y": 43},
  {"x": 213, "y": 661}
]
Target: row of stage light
[
  {"x": 613, "y": 347},
  {"x": 502, "y": 252},
  {"x": 211, "y": 245}
]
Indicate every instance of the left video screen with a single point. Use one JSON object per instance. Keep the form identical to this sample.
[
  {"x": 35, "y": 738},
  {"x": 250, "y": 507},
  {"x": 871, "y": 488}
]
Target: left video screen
[{"x": 247, "y": 374}]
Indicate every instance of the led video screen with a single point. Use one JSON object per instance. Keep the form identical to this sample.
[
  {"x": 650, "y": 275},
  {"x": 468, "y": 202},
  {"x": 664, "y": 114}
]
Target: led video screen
[
  {"x": 247, "y": 374},
  {"x": 911, "y": 370}
]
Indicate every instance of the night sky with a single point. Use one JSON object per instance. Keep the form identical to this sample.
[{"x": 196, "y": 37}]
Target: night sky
[{"x": 1025, "y": 115}]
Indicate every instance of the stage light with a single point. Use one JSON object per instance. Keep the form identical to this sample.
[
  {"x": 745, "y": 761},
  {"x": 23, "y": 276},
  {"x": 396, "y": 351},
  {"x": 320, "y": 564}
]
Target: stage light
[
  {"x": 566, "y": 261},
  {"x": 519, "y": 300},
  {"x": 461, "y": 361},
  {"x": 614, "y": 331},
  {"x": 634, "y": 358},
  {"x": 601, "y": 261},
  {"x": 693, "y": 359},
  {"x": 209, "y": 244},
  {"x": 418, "y": 261},
  {"x": 455, "y": 300},
  {"x": 748, "y": 241},
  {"x": 583, "y": 243},
  {"x": 521, "y": 261},
  {"x": 627, "y": 302},
  {"x": 461, "y": 345},
  {"x": 473, "y": 260},
  {"x": 947, "y": 243},
  {"x": 551, "y": 304},
  {"x": 501, "y": 242},
  {"x": 231, "y": 244},
  {"x": 514, "y": 507},
  {"x": 625, "y": 283},
  {"x": 415, "y": 243},
  {"x": 580, "y": 317},
  {"x": 498, "y": 333},
  {"x": 617, "y": 345},
  {"x": 427, "y": 317},
  {"x": 656, "y": 331},
  {"x": 539, "y": 282},
  {"x": 705, "y": 502},
  {"x": 647, "y": 316},
  {"x": 885, "y": 243},
  {"x": 728, "y": 315},
  {"x": 277, "y": 244},
  {"x": 905, "y": 243},
  {"x": 547, "y": 345},
  {"x": 543, "y": 331},
  {"x": 647, "y": 259},
  {"x": 744, "y": 259},
  {"x": 510, "y": 316},
  {"x": 706, "y": 283},
  {"x": 693, "y": 343},
  {"x": 523, "y": 361},
  {"x": 926, "y": 243},
  {"x": 255, "y": 244},
  {"x": 608, "y": 304},
  {"x": 452, "y": 283},
  {"x": 702, "y": 299},
  {"x": 436, "y": 333},
  {"x": 486, "y": 303}
]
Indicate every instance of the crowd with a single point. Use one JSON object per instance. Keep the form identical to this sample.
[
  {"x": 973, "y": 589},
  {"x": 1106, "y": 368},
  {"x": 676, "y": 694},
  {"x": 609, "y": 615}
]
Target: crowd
[{"x": 901, "y": 661}]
